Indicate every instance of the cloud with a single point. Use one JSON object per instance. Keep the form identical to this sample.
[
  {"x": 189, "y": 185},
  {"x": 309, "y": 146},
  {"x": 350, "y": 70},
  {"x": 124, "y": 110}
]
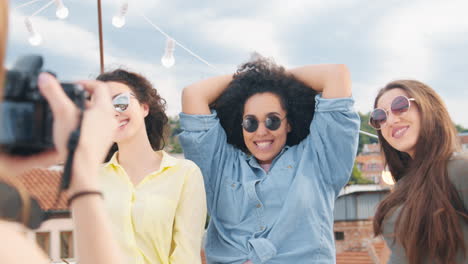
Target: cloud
[
  {"x": 244, "y": 35},
  {"x": 59, "y": 37},
  {"x": 407, "y": 42}
]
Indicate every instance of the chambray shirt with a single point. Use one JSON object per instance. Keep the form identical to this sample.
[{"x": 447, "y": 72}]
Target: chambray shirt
[{"x": 285, "y": 215}]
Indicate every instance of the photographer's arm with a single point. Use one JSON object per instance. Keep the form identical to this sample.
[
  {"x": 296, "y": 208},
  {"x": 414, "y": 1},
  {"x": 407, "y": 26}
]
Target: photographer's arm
[
  {"x": 16, "y": 244},
  {"x": 197, "y": 97},
  {"x": 94, "y": 239},
  {"x": 333, "y": 80}
]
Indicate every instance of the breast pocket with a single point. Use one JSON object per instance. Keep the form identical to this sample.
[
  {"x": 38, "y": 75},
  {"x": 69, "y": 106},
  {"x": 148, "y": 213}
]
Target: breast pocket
[{"x": 229, "y": 203}]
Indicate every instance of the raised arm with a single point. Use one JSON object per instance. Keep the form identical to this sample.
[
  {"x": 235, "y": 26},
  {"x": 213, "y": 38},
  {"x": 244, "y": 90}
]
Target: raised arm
[
  {"x": 332, "y": 80},
  {"x": 197, "y": 97},
  {"x": 95, "y": 242}
]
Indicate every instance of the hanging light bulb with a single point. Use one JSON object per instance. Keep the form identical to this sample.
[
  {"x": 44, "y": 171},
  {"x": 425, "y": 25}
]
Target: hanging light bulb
[
  {"x": 35, "y": 38},
  {"x": 387, "y": 177},
  {"x": 167, "y": 59},
  {"x": 119, "y": 20},
  {"x": 62, "y": 11}
]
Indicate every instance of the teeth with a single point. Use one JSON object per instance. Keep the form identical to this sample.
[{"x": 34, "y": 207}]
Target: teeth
[
  {"x": 123, "y": 123},
  {"x": 400, "y": 131},
  {"x": 263, "y": 144}
]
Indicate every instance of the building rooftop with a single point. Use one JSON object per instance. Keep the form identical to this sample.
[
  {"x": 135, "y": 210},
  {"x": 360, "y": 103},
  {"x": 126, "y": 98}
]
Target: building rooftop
[
  {"x": 355, "y": 188},
  {"x": 43, "y": 185}
]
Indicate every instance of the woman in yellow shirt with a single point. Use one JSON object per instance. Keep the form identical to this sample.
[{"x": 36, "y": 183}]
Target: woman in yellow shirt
[{"x": 156, "y": 202}]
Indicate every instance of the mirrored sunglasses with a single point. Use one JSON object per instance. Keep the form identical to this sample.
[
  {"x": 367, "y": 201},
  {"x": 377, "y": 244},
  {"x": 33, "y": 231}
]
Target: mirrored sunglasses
[
  {"x": 400, "y": 105},
  {"x": 122, "y": 101}
]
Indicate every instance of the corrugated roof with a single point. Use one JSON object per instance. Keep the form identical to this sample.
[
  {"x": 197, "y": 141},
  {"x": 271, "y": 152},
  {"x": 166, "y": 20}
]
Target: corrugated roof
[{"x": 362, "y": 188}]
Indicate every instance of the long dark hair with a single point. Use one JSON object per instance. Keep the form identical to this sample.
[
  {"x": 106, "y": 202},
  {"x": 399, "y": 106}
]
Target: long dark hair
[
  {"x": 261, "y": 75},
  {"x": 428, "y": 224},
  {"x": 156, "y": 121}
]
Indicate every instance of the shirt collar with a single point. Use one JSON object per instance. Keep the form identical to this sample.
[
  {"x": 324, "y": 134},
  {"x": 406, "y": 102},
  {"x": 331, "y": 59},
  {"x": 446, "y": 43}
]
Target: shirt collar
[{"x": 166, "y": 162}]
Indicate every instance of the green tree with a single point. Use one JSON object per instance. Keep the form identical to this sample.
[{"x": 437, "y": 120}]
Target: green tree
[
  {"x": 364, "y": 139},
  {"x": 461, "y": 129},
  {"x": 173, "y": 145},
  {"x": 357, "y": 178}
]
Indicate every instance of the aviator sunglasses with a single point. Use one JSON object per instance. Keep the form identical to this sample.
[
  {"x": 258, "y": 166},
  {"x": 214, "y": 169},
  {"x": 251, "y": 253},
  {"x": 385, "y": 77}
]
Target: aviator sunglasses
[
  {"x": 400, "y": 105},
  {"x": 272, "y": 122},
  {"x": 122, "y": 101}
]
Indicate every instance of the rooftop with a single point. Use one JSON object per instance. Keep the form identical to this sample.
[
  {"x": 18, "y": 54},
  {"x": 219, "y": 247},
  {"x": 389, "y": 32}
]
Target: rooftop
[{"x": 43, "y": 184}]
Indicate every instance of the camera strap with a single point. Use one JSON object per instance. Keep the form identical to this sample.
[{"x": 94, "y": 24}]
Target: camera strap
[{"x": 73, "y": 141}]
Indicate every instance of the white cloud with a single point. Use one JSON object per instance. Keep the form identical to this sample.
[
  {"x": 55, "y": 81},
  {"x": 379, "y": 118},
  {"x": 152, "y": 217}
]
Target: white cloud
[
  {"x": 406, "y": 37},
  {"x": 406, "y": 41},
  {"x": 245, "y": 35},
  {"x": 59, "y": 37}
]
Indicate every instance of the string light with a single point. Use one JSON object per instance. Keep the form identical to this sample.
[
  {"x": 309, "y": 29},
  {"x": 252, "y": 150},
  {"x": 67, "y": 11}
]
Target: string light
[
  {"x": 62, "y": 10},
  {"x": 119, "y": 20},
  {"x": 35, "y": 38},
  {"x": 167, "y": 59}
]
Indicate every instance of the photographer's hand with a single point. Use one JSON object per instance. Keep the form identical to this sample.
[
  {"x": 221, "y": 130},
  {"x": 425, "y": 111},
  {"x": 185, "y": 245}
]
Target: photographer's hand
[
  {"x": 94, "y": 239},
  {"x": 65, "y": 120}
]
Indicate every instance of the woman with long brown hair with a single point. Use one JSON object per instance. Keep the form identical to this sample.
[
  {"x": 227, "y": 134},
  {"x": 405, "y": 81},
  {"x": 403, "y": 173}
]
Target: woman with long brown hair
[{"x": 424, "y": 219}]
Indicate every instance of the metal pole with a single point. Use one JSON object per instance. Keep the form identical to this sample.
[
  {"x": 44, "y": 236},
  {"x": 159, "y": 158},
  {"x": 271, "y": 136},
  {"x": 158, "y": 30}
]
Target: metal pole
[{"x": 101, "y": 44}]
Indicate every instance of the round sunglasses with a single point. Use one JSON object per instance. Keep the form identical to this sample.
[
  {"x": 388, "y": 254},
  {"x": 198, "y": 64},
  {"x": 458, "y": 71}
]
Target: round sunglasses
[
  {"x": 400, "y": 105},
  {"x": 272, "y": 122},
  {"x": 122, "y": 101}
]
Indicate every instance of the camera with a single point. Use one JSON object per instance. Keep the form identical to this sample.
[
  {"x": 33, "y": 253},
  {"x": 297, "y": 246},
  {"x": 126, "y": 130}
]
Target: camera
[{"x": 25, "y": 116}]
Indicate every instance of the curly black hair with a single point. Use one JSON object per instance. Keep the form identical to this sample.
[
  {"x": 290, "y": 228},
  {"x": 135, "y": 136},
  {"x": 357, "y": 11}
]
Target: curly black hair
[
  {"x": 260, "y": 75},
  {"x": 156, "y": 121}
]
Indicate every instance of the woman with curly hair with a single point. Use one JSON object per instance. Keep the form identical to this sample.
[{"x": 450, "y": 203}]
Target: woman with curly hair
[
  {"x": 425, "y": 218},
  {"x": 156, "y": 202},
  {"x": 274, "y": 155}
]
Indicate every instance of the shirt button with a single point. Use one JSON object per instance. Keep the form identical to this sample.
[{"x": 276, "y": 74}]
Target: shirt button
[
  {"x": 289, "y": 167},
  {"x": 259, "y": 205},
  {"x": 262, "y": 228},
  {"x": 233, "y": 185}
]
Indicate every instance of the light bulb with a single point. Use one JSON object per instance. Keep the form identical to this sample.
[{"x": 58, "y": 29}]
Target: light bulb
[
  {"x": 35, "y": 39},
  {"x": 62, "y": 12},
  {"x": 387, "y": 177},
  {"x": 168, "y": 60},
  {"x": 118, "y": 21}
]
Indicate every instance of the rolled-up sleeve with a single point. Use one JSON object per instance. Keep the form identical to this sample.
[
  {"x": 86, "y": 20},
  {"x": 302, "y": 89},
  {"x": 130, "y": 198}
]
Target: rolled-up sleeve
[{"x": 334, "y": 134}]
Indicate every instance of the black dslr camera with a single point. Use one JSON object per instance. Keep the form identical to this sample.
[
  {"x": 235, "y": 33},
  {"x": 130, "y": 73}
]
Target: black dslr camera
[{"x": 25, "y": 116}]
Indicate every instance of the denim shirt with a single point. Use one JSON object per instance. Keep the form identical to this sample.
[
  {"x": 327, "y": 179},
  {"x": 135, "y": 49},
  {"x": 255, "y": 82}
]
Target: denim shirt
[{"x": 286, "y": 214}]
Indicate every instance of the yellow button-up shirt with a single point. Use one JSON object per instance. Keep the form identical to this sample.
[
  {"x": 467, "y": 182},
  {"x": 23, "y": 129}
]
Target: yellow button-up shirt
[{"x": 161, "y": 220}]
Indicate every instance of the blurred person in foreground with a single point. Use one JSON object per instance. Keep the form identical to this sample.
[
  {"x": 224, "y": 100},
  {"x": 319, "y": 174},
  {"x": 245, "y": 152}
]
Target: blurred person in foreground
[{"x": 95, "y": 243}]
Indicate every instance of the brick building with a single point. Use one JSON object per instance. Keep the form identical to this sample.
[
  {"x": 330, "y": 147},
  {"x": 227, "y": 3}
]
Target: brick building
[
  {"x": 55, "y": 234},
  {"x": 354, "y": 238},
  {"x": 371, "y": 162}
]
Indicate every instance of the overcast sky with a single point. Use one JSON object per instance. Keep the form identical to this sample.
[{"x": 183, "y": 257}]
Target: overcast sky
[{"x": 380, "y": 41}]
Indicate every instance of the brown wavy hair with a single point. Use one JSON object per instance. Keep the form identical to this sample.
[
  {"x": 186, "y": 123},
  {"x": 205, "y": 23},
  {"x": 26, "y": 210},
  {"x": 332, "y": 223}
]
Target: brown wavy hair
[
  {"x": 263, "y": 75},
  {"x": 156, "y": 121},
  {"x": 429, "y": 222}
]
